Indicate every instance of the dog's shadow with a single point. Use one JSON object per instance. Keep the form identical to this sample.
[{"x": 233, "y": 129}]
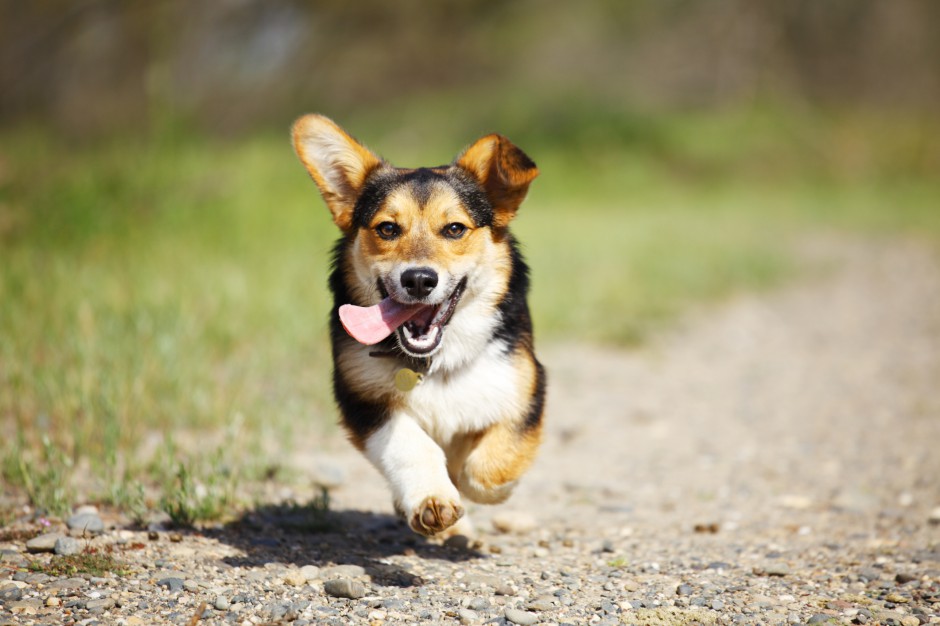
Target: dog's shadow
[{"x": 307, "y": 535}]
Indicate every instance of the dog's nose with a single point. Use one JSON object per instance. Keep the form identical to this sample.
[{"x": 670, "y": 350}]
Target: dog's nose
[{"x": 419, "y": 281}]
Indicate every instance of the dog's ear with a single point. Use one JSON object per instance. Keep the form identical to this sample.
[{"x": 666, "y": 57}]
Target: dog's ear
[
  {"x": 503, "y": 170},
  {"x": 337, "y": 163}
]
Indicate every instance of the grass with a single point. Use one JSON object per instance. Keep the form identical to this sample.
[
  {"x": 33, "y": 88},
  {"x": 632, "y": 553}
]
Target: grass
[
  {"x": 178, "y": 285},
  {"x": 91, "y": 562}
]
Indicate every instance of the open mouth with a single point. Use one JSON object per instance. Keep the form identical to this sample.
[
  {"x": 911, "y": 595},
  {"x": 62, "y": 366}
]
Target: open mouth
[
  {"x": 423, "y": 333},
  {"x": 420, "y": 326}
]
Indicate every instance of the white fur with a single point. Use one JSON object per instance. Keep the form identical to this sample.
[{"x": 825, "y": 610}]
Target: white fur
[{"x": 413, "y": 464}]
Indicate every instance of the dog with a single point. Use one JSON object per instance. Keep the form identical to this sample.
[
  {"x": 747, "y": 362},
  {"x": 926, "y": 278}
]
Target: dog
[{"x": 434, "y": 369}]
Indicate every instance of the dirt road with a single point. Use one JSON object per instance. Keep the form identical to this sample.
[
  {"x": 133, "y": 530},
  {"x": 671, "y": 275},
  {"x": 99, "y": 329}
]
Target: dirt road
[{"x": 775, "y": 460}]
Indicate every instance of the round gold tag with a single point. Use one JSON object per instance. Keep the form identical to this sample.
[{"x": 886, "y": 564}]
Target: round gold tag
[{"x": 407, "y": 379}]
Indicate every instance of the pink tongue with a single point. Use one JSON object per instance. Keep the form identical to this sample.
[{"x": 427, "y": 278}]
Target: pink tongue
[{"x": 372, "y": 324}]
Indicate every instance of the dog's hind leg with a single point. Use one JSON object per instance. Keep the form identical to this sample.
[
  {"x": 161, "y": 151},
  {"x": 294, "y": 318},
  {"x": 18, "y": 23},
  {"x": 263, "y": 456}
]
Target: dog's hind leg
[
  {"x": 416, "y": 470},
  {"x": 498, "y": 457}
]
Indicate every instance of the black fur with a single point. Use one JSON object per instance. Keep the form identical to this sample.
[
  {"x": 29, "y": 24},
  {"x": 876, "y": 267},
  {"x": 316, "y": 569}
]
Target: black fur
[{"x": 381, "y": 183}]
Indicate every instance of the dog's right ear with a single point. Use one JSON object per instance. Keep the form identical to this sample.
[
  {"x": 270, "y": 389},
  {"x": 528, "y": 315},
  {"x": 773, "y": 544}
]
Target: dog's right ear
[{"x": 337, "y": 163}]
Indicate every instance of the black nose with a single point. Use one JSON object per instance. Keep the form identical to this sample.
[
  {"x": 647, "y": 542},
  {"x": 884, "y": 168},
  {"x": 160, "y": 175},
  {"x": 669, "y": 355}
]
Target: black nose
[{"x": 419, "y": 281}]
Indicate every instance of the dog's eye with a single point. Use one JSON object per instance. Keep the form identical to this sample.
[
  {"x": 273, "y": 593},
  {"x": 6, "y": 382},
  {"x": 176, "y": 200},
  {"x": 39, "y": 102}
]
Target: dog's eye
[
  {"x": 455, "y": 230},
  {"x": 388, "y": 230}
]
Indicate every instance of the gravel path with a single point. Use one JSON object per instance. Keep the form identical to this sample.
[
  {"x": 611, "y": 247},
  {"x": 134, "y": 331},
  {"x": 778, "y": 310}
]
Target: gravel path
[{"x": 774, "y": 461}]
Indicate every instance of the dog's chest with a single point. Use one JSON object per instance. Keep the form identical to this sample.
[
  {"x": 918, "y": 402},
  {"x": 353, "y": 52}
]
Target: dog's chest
[{"x": 466, "y": 400}]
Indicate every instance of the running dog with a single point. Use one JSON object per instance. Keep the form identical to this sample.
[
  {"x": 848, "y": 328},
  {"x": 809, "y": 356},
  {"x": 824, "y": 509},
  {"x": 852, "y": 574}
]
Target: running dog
[{"x": 434, "y": 370}]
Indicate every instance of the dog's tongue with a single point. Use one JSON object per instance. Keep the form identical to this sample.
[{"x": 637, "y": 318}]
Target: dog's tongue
[{"x": 372, "y": 324}]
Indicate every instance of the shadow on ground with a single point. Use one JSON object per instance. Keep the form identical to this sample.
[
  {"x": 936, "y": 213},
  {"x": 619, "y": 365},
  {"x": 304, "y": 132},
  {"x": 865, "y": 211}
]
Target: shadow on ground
[{"x": 307, "y": 535}]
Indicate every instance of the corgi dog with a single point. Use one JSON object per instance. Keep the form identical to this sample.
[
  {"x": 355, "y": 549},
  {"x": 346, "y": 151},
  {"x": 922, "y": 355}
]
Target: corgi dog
[{"x": 434, "y": 369}]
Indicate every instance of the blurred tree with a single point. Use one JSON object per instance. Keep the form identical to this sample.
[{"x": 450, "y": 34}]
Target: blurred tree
[{"x": 96, "y": 66}]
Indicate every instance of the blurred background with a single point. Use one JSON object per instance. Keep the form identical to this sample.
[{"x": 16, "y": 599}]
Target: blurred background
[{"x": 163, "y": 255}]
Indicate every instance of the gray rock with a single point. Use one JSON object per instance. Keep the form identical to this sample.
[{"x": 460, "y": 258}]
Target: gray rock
[
  {"x": 172, "y": 583},
  {"x": 310, "y": 572},
  {"x": 717, "y": 604},
  {"x": 457, "y": 542},
  {"x": 88, "y": 523},
  {"x": 99, "y": 605},
  {"x": 869, "y": 573},
  {"x": 821, "y": 618},
  {"x": 69, "y": 584},
  {"x": 43, "y": 543},
  {"x": 10, "y": 594},
  {"x": 478, "y": 604},
  {"x": 523, "y": 618},
  {"x": 190, "y": 585},
  {"x": 344, "y": 588},
  {"x": 342, "y": 571},
  {"x": 466, "y": 616},
  {"x": 67, "y": 546},
  {"x": 684, "y": 590},
  {"x": 541, "y": 604},
  {"x": 221, "y": 603}
]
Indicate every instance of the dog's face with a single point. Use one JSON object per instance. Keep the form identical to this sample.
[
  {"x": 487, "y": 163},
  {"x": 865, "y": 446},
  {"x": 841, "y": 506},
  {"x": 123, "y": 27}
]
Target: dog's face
[{"x": 427, "y": 238}]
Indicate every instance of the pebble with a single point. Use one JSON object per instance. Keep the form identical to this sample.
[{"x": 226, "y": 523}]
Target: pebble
[
  {"x": 684, "y": 590},
  {"x": 342, "y": 571},
  {"x": 934, "y": 517},
  {"x": 295, "y": 578},
  {"x": 43, "y": 543},
  {"x": 773, "y": 569},
  {"x": 478, "y": 604},
  {"x": 99, "y": 605},
  {"x": 466, "y": 616},
  {"x": 523, "y": 618},
  {"x": 88, "y": 523},
  {"x": 310, "y": 572},
  {"x": 513, "y": 522},
  {"x": 717, "y": 604},
  {"x": 344, "y": 588},
  {"x": 171, "y": 583},
  {"x": 221, "y": 603},
  {"x": 67, "y": 546},
  {"x": 10, "y": 594}
]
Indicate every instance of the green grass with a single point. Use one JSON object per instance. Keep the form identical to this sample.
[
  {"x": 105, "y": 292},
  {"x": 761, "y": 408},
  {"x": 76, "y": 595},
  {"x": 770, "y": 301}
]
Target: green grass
[{"x": 179, "y": 286}]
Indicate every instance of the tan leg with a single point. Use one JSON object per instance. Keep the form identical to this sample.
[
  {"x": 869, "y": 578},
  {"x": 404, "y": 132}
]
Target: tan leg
[{"x": 497, "y": 458}]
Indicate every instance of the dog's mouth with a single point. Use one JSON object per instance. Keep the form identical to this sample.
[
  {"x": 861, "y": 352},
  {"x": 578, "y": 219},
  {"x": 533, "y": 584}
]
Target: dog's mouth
[
  {"x": 422, "y": 334},
  {"x": 420, "y": 326}
]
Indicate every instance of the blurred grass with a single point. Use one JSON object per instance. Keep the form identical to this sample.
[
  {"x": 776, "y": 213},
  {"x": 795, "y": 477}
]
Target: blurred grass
[{"x": 177, "y": 284}]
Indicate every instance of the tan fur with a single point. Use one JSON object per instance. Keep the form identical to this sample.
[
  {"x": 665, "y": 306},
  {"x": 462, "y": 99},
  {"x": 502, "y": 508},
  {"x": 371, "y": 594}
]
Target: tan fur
[{"x": 474, "y": 426}]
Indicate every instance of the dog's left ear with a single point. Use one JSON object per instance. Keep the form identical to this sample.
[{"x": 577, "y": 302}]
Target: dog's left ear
[
  {"x": 503, "y": 170},
  {"x": 337, "y": 163}
]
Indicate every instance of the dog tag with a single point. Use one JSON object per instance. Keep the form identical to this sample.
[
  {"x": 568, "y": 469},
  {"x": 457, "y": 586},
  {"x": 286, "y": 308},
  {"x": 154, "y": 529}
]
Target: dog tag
[{"x": 407, "y": 379}]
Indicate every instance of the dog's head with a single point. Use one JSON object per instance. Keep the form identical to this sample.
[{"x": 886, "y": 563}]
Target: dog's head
[{"x": 424, "y": 241}]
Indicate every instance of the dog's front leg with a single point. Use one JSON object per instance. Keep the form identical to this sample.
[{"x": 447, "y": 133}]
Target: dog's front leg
[{"x": 416, "y": 470}]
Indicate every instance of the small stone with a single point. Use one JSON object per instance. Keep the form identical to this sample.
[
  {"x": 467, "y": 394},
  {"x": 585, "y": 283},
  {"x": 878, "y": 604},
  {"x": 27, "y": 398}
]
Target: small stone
[
  {"x": 910, "y": 620},
  {"x": 466, "y": 616},
  {"x": 295, "y": 578},
  {"x": 773, "y": 569},
  {"x": 897, "y": 598},
  {"x": 504, "y": 590},
  {"x": 342, "y": 571},
  {"x": 903, "y": 578},
  {"x": 43, "y": 543},
  {"x": 221, "y": 603},
  {"x": 523, "y": 618},
  {"x": 310, "y": 572},
  {"x": 190, "y": 585},
  {"x": 10, "y": 594},
  {"x": 53, "y": 601},
  {"x": 861, "y": 618},
  {"x": 716, "y": 604},
  {"x": 543, "y": 603},
  {"x": 99, "y": 605},
  {"x": 684, "y": 590},
  {"x": 173, "y": 584},
  {"x": 176, "y": 537},
  {"x": 88, "y": 523},
  {"x": 934, "y": 517},
  {"x": 819, "y": 618},
  {"x": 478, "y": 604},
  {"x": 457, "y": 542},
  {"x": 344, "y": 588},
  {"x": 67, "y": 546},
  {"x": 513, "y": 522},
  {"x": 869, "y": 573}
]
